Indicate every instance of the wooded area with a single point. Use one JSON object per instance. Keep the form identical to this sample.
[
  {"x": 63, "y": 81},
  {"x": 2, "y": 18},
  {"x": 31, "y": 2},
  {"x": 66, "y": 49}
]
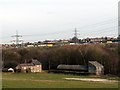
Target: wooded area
[{"x": 50, "y": 57}]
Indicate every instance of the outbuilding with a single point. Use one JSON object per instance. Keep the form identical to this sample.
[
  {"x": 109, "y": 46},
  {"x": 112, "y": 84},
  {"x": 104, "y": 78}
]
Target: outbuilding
[
  {"x": 96, "y": 68},
  {"x": 11, "y": 70}
]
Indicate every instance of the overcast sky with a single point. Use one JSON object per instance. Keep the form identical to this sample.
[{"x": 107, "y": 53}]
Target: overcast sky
[{"x": 37, "y": 20}]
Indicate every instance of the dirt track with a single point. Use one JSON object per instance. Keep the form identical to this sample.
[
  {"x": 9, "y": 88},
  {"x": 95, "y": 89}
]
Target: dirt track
[{"x": 91, "y": 79}]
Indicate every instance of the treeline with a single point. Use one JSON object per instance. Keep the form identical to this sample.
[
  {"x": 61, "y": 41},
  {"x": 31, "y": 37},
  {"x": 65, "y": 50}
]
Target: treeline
[{"x": 51, "y": 57}]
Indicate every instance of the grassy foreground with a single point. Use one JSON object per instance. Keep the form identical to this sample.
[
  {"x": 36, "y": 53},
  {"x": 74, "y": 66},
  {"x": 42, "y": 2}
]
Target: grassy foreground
[{"x": 46, "y": 80}]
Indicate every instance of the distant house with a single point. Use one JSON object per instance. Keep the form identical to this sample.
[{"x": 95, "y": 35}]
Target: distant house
[
  {"x": 109, "y": 41},
  {"x": 93, "y": 68},
  {"x": 34, "y": 66},
  {"x": 30, "y": 45},
  {"x": 49, "y": 44}
]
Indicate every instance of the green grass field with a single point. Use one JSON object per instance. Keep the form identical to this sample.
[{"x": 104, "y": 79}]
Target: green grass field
[{"x": 47, "y": 80}]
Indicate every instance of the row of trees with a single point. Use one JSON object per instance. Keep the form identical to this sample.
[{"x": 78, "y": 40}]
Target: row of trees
[{"x": 51, "y": 57}]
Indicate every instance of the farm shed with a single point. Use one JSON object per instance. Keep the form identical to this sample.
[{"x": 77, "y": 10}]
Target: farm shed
[
  {"x": 34, "y": 66},
  {"x": 93, "y": 68}
]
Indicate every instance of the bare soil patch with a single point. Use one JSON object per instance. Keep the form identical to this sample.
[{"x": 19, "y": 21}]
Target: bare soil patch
[{"x": 91, "y": 79}]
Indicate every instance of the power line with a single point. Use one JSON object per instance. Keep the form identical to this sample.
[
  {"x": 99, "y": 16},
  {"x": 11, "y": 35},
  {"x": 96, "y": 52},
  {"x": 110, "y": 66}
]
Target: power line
[
  {"x": 83, "y": 32},
  {"x": 87, "y": 26},
  {"x": 102, "y": 30},
  {"x": 100, "y": 23}
]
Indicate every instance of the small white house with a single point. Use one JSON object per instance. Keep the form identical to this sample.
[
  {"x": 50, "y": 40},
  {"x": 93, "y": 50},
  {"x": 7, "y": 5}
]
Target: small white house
[{"x": 11, "y": 69}]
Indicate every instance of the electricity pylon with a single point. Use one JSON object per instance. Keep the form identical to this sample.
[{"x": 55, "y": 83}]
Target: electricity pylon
[{"x": 17, "y": 38}]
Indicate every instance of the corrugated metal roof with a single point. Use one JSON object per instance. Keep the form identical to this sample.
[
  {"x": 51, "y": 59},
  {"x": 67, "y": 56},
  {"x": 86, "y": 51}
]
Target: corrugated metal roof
[
  {"x": 96, "y": 64},
  {"x": 72, "y": 67}
]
